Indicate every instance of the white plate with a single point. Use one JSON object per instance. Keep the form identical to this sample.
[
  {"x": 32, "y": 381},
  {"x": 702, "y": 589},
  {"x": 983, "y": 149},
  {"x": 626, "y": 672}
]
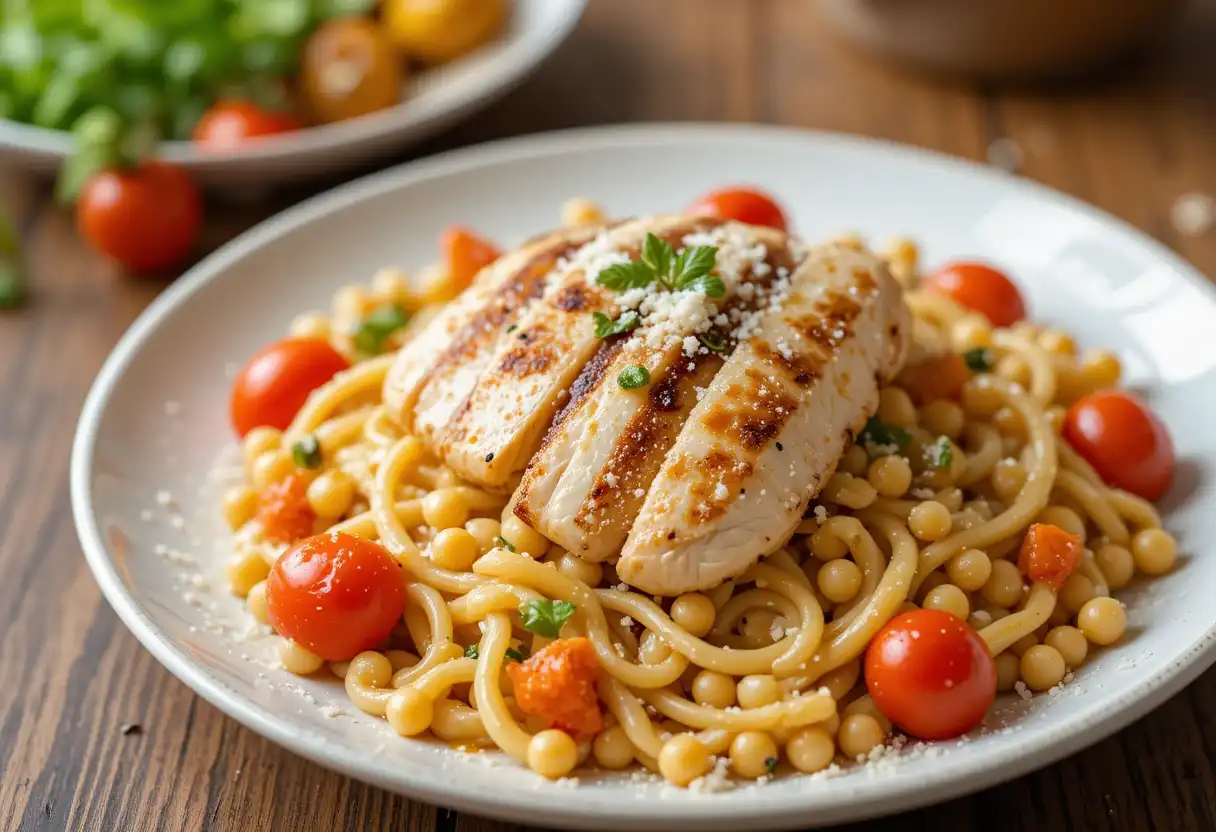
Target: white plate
[
  {"x": 1106, "y": 282},
  {"x": 434, "y": 99}
]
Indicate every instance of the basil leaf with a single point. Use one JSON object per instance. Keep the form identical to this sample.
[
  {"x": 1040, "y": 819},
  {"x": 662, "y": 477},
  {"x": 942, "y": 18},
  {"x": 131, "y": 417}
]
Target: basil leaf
[
  {"x": 544, "y": 617},
  {"x": 307, "y": 452},
  {"x": 657, "y": 254},
  {"x": 633, "y": 377},
  {"x": 708, "y": 285},
  {"x": 694, "y": 263},
  {"x": 632, "y": 275},
  {"x": 605, "y": 326},
  {"x": 978, "y": 360}
]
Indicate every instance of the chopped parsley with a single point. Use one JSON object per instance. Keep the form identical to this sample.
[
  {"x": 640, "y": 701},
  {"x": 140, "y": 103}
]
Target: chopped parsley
[
  {"x": 545, "y": 618},
  {"x": 940, "y": 453},
  {"x": 770, "y": 764},
  {"x": 377, "y": 326},
  {"x": 307, "y": 452},
  {"x": 978, "y": 360},
  {"x": 881, "y": 439},
  {"x": 633, "y": 377},
  {"x": 605, "y": 326},
  {"x": 503, "y": 543},
  {"x": 712, "y": 342},
  {"x": 521, "y": 655},
  {"x": 470, "y": 652},
  {"x": 691, "y": 270}
]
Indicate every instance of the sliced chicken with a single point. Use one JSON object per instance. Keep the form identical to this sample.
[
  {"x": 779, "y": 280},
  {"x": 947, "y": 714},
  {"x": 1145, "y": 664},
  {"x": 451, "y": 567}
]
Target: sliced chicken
[
  {"x": 450, "y": 352},
  {"x": 765, "y": 436},
  {"x": 586, "y": 483},
  {"x": 502, "y": 415}
]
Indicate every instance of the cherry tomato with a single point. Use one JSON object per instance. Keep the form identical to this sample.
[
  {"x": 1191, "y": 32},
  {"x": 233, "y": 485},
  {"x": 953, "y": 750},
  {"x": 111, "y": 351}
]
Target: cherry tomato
[
  {"x": 349, "y": 69},
  {"x": 431, "y": 31},
  {"x": 747, "y": 205},
  {"x": 336, "y": 594},
  {"x": 274, "y": 384},
  {"x": 147, "y": 218},
  {"x": 931, "y": 674},
  {"x": 1123, "y": 440},
  {"x": 465, "y": 254},
  {"x": 229, "y": 124},
  {"x": 980, "y": 288}
]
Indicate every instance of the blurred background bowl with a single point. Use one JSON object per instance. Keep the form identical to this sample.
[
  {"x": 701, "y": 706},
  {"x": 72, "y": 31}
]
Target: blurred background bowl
[{"x": 999, "y": 38}]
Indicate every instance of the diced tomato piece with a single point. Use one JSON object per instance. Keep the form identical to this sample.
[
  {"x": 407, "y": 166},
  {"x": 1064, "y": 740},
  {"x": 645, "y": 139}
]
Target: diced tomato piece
[
  {"x": 465, "y": 254},
  {"x": 1049, "y": 554},
  {"x": 942, "y": 377},
  {"x": 557, "y": 684},
  {"x": 284, "y": 512}
]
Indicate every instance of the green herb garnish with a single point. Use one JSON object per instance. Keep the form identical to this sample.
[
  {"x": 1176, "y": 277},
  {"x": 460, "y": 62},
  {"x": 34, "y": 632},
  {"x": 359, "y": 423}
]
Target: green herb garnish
[
  {"x": 470, "y": 652},
  {"x": 503, "y": 543},
  {"x": 690, "y": 269},
  {"x": 770, "y": 764},
  {"x": 605, "y": 326},
  {"x": 307, "y": 452},
  {"x": 377, "y": 326},
  {"x": 633, "y": 377},
  {"x": 978, "y": 360},
  {"x": 879, "y": 438},
  {"x": 521, "y": 655},
  {"x": 545, "y": 618},
  {"x": 712, "y": 342},
  {"x": 940, "y": 453}
]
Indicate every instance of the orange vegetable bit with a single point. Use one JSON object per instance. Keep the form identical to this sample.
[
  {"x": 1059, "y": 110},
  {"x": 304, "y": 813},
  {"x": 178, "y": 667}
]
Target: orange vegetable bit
[
  {"x": 1049, "y": 554},
  {"x": 942, "y": 377},
  {"x": 284, "y": 512},
  {"x": 465, "y": 254},
  {"x": 557, "y": 684}
]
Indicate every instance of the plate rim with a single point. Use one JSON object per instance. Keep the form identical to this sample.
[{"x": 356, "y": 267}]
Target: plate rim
[
  {"x": 405, "y": 117},
  {"x": 869, "y": 798}
]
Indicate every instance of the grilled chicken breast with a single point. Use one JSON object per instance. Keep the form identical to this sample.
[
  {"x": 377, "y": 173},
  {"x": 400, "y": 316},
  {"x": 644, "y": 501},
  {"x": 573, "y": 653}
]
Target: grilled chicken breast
[
  {"x": 585, "y": 485},
  {"x": 769, "y": 431},
  {"x": 690, "y": 478}
]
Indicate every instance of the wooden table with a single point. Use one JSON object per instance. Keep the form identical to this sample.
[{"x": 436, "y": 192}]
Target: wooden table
[{"x": 71, "y": 675}]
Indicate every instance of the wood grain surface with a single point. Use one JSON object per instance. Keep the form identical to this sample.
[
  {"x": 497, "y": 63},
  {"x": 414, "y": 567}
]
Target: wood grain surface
[{"x": 71, "y": 676}]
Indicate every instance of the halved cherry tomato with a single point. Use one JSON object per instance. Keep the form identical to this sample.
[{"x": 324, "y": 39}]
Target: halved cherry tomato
[
  {"x": 336, "y": 594},
  {"x": 980, "y": 288},
  {"x": 147, "y": 217},
  {"x": 349, "y": 69},
  {"x": 747, "y": 205},
  {"x": 1049, "y": 554},
  {"x": 931, "y": 674},
  {"x": 465, "y": 254},
  {"x": 1123, "y": 440},
  {"x": 274, "y": 384},
  {"x": 228, "y": 124}
]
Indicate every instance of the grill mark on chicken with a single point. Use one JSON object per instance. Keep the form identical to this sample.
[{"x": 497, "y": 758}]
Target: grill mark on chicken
[
  {"x": 750, "y": 414},
  {"x": 525, "y": 286},
  {"x": 643, "y": 444}
]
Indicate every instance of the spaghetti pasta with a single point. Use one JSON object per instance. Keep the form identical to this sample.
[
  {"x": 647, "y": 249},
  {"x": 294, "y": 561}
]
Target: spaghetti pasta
[{"x": 765, "y": 661}]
